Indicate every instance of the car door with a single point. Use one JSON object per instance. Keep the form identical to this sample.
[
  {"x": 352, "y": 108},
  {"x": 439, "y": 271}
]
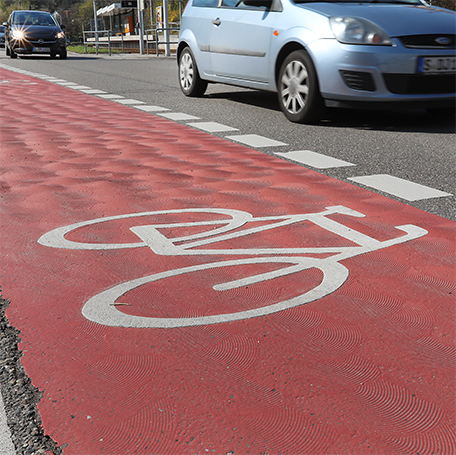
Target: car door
[
  {"x": 241, "y": 40},
  {"x": 196, "y": 28}
]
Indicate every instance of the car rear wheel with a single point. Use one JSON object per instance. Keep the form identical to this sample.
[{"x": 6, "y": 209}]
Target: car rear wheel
[
  {"x": 298, "y": 90},
  {"x": 189, "y": 79}
]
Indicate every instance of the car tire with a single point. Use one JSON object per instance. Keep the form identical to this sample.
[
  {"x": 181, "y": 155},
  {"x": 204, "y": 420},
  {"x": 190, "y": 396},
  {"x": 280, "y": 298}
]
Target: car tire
[
  {"x": 63, "y": 54},
  {"x": 190, "y": 81},
  {"x": 298, "y": 89},
  {"x": 12, "y": 54}
]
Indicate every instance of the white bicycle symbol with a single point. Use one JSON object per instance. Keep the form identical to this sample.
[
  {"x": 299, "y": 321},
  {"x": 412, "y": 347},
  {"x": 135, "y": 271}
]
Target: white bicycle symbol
[{"x": 234, "y": 224}]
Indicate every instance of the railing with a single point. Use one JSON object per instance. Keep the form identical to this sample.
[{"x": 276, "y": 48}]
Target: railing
[
  {"x": 155, "y": 32},
  {"x": 97, "y": 42},
  {"x": 153, "y": 37}
]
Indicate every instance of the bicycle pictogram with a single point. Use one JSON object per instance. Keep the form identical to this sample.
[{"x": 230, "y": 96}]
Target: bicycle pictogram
[{"x": 227, "y": 225}]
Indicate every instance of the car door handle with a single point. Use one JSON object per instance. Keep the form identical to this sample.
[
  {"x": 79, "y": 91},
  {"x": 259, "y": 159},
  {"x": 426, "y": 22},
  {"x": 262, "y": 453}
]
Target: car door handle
[{"x": 217, "y": 21}]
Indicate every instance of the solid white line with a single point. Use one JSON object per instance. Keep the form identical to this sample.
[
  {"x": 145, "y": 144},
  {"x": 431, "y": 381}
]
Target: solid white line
[
  {"x": 401, "y": 188},
  {"x": 212, "y": 127},
  {"x": 316, "y": 160},
  {"x": 6, "y": 444},
  {"x": 254, "y": 140}
]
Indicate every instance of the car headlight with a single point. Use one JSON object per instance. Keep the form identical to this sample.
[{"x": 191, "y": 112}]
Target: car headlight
[
  {"x": 354, "y": 30},
  {"x": 60, "y": 35},
  {"x": 18, "y": 34}
]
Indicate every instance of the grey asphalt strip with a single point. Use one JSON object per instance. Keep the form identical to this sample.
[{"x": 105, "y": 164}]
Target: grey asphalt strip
[{"x": 6, "y": 444}]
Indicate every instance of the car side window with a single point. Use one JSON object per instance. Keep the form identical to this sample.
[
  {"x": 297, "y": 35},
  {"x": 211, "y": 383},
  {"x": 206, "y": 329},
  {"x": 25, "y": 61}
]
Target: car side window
[
  {"x": 206, "y": 3},
  {"x": 239, "y": 4}
]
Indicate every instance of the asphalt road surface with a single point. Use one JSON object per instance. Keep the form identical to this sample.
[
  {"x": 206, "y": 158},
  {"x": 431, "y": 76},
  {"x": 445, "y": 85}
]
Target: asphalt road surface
[
  {"x": 411, "y": 145},
  {"x": 175, "y": 292}
]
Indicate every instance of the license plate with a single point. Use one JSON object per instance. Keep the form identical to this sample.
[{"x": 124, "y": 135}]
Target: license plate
[
  {"x": 41, "y": 49},
  {"x": 437, "y": 65}
]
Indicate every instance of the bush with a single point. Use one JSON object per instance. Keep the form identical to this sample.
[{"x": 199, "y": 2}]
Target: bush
[{"x": 448, "y": 4}]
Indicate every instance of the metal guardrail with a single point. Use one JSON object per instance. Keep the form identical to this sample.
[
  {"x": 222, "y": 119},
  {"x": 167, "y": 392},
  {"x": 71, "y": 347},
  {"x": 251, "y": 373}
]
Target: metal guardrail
[
  {"x": 154, "y": 32},
  {"x": 97, "y": 35}
]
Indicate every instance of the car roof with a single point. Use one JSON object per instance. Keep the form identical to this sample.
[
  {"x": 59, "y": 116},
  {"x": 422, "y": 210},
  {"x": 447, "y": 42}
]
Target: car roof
[{"x": 30, "y": 11}]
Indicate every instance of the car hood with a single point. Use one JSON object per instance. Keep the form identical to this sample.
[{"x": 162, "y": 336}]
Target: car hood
[
  {"x": 38, "y": 31},
  {"x": 395, "y": 19}
]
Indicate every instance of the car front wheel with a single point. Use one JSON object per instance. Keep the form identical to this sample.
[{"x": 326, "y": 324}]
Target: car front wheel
[
  {"x": 12, "y": 54},
  {"x": 189, "y": 79},
  {"x": 299, "y": 94}
]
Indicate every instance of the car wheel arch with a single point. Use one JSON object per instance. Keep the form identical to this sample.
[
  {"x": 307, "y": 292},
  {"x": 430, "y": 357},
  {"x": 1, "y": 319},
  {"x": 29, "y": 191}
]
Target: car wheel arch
[
  {"x": 182, "y": 45},
  {"x": 286, "y": 50}
]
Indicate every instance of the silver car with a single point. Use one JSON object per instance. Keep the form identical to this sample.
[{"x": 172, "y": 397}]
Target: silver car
[{"x": 335, "y": 53}]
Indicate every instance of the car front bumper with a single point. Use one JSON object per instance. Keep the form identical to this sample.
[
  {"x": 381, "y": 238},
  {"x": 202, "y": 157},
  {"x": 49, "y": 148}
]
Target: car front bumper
[
  {"x": 382, "y": 75},
  {"x": 36, "y": 47}
]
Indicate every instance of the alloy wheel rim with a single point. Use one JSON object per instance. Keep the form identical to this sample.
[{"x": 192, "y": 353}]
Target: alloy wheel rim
[
  {"x": 295, "y": 87},
  {"x": 186, "y": 72}
]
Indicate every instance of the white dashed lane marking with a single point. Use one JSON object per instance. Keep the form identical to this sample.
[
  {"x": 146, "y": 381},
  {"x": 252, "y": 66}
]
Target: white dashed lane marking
[
  {"x": 254, "y": 140},
  {"x": 313, "y": 159},
  {"x": 53, "y": 79},
  {"x": 389, "y": 184},
  {"x": 177, "y": 116},
  {"x": 93, "y": 91},
  {"x": 151, "y": 108},
  {"x": 110, "y": 96},
  {"x": 66, "y": 83},
  {"x": 79, "y": 87},
  {"x": 128, "y": 101},
  {"x": 212, "y": 127},
  {"x": 398, "y": 187}
]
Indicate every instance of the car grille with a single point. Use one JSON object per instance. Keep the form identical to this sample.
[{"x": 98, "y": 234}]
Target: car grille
[
  {"x": 429, "y": 41},
  {"x": 358, "y": 80},
  {"x": 42, "y": 43},
  {"x": 418, "y": 84}
]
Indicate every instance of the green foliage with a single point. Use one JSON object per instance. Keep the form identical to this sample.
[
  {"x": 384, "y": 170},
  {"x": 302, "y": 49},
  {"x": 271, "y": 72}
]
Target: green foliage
[
  {"x": 80, "y": 49},
  {"x": 174, "y": 9},
  {"x": 448, "y": 4}
]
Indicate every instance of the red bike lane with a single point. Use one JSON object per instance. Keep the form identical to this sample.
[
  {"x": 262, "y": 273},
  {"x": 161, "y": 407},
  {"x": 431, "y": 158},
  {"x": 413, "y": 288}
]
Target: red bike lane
[{"x": 179, "y": 293}]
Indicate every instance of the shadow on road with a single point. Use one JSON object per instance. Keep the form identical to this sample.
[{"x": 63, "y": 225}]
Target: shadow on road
[{"x": 413, "y": 120}]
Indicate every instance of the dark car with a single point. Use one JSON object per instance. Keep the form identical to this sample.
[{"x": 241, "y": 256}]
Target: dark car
[
  {"x": 34, "y": 32},
  {"x": 2, "y": 36}
]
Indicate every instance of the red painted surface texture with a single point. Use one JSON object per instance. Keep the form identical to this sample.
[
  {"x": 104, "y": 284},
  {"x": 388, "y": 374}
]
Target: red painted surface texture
[{"x": 368, "y": 369}]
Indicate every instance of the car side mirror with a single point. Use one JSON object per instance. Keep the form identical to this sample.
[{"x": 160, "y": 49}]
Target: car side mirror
[
  {"x": 5, "y": 24},
  {"x": 266, "y": 3}
]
